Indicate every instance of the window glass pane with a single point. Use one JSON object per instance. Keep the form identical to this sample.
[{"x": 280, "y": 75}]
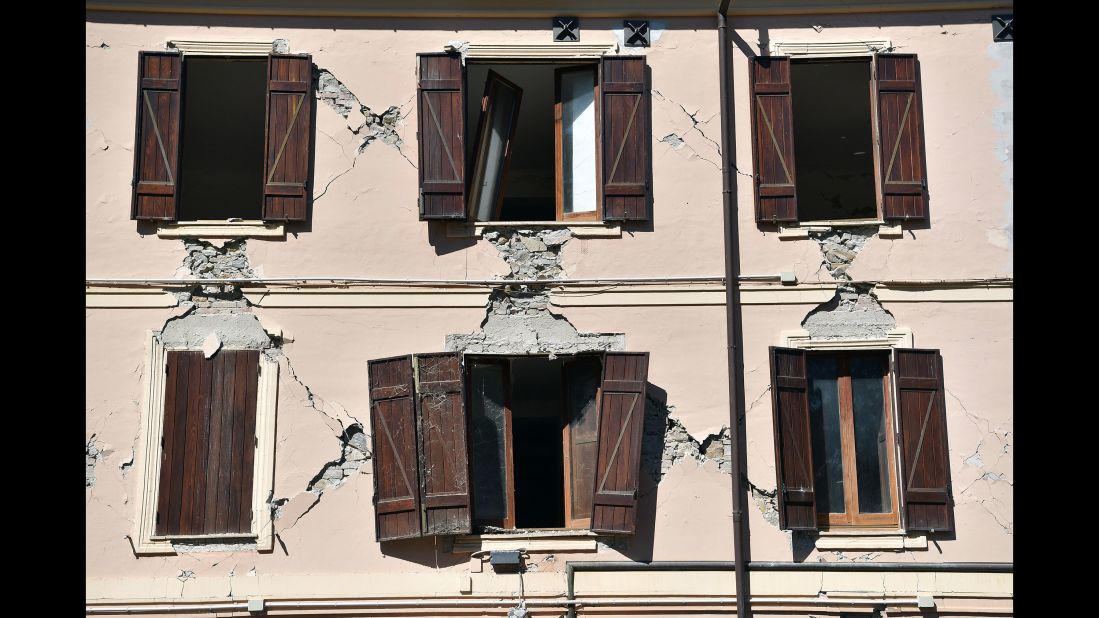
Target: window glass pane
[
  {"x": 824, "y": 421},
  {"x": 578, "y": 140},
  {"x": 487, "y": 431},
  {"x": 871, "y": 444},
  {"x": 582, "y": 383},
  {"x": 500, "y": 116}
]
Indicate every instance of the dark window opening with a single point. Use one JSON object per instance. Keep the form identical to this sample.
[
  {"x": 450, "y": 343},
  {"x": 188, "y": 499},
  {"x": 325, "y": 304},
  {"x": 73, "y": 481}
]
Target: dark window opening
[
  {"x": 222, "y": 153},
  {"x": 533, "y": 437},
  {"x": 834, "y": 151}
]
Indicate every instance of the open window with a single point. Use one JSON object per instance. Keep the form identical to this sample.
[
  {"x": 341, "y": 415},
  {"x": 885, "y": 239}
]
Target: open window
[
  {"x": 223, "y": 138},
  {"x": 506, "y": 442},
  {"x": 542, "y": 141},
  {"x": 838, "y": 431},
  {"x": 838, "y": 139}
]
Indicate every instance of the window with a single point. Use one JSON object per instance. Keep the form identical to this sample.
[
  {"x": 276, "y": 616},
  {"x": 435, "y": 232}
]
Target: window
[
  {"x": 223, "y": 138},
  {"x": 209, "y": 441},
  {"x": 834, "y": 439},
  {"x": 838, "y": 139},
  {"x": 506, "y": 442},
  {"x": 542, "y": 141}
]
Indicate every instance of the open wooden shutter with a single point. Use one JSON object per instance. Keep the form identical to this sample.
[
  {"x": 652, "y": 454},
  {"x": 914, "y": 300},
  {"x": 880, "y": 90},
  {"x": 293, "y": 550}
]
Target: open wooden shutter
[
  {"x": 773, "y": 139},
  {"x": 621, "y": 420},
  {"x": 444, "y": 459},
  {"x": 393, "y": 421},
  {"x": 157, "y": 136},
  {"x": 286, "y": 187},
  {"x": 797, "y": 503},
  {"x": 440, "y": 133},
  {"x": 900, "y": 122},
  {"x": 925, "y": 463},
  {"x": 626, "y": 146}
]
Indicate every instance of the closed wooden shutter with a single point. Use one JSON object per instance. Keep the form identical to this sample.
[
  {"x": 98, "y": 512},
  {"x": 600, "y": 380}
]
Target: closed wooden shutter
[
  {"x": 208, "y": 447},
  {"x": 626, "y": 145},
  {"x": 621, "y": 420},
  {"x": 286, "y": 188},
  {"x": 900, "y": 123},
  {"x": 441, "y": 137},
  {"x": 157, "y": 136},
  {"x": 797, "y": 505},
  {"x": 393, "y": 422},
  {"x": 773, "y": 139},
  {"x": 925, "y": 462},
  {"x": 444, "y": 462}
]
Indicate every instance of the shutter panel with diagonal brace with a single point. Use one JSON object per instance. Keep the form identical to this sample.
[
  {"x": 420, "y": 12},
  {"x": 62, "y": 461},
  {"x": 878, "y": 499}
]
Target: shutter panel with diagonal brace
[
  {"x": 157, "y": 136},
  {"x": 286, "y": 187},
  {"x": 921, "y": 418},
  {"x": 440, "y": 132},
  {"x": 797, "y": 506},
  {"x": 621, "y": 420},
  {"x": 900, "y": 123},
  {"x": 393, "y": 431},
  {"x": 626, "y": 146},
  {"x": 773, "y": 139},
  {"x": 443, "y": 455}
]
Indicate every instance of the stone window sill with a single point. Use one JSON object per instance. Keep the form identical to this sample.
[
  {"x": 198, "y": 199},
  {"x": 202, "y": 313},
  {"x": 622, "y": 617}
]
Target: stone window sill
[
  {"x": 580, "y": 229},
  {"x": 801, "y": 230},
  {"x": 221, "y": 229},
  {"x": 534, "y": 541},
  {"x": 869, "y": 540}
]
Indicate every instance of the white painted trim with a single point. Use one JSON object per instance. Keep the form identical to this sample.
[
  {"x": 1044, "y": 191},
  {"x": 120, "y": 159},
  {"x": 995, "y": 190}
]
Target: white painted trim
[
  {"x": 220, "y": 229},
  {"x": 900, "y": 337},
  {"x": 861, "y": 540},
  {"x": 537, "y": 51},
  {"x": 223, "y": 48},
  {"x": 152, "y": 431},
  {"x": 128, "y": 297},
  {"x": 580, "y": 229},
  {"x": 826, "y": 49}
]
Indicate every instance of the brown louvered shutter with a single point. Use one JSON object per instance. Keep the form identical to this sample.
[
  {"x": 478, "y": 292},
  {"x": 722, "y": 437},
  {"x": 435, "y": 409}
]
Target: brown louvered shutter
[
  {"x": 773, "y": 139},
  {"x": 208, "y": 446},
  {"x": 289, "y": 134},
  {"x": 621, "y": 420},
  {"x": 921, "y": 417},
  {"x": 797, "y": 504},
  {"x": 156, "y": 142},
  {"x": 440, "y": 131},
  {"x": 393, "y": 423},
  {"x": 900, "y": 123},
  {"x": 444, "y": 463},
  {"x": 626, "y": 146}
]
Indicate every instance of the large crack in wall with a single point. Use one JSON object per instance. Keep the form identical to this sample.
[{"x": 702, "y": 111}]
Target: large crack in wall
[{"x": 363, "y": 122}]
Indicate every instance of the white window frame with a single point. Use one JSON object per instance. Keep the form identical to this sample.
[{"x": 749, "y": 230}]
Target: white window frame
[{"x": 149, "y": 457}]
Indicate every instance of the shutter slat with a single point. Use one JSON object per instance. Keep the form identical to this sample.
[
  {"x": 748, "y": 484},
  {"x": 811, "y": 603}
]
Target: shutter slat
[
  {"x": 773, "y": 139},
  {"x": 797, "y": 508},
  {"x": 618, "y": 455},
  {"x": 626, "y": 140},
  {"x": 900, "y": 128},
  {"x": 921, "y": 417},
  {"x": 441, "y": 135},
  {"x": 288, "y": 138},
  {"x": 393, "y": 422},
  {"x": 444, "y": 460},
  {"x": 157, "y": 137}
]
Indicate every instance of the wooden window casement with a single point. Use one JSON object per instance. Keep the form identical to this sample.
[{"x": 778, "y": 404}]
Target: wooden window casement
[
  {"x": 538, "y": 444},
  {"x": 838, "y": 139},
  {"x": 223, "y": 138},
  {"x": 534, "y": 140},
  {"x": 851, "y": 453}
]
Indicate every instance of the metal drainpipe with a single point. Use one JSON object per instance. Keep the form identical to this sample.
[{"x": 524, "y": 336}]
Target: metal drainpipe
[{"x": 735, "y": 361}]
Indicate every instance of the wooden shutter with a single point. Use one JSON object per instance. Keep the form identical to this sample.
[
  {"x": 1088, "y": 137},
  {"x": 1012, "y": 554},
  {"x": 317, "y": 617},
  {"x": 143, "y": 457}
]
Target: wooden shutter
[
  {"x": 773, "y": 139},
  {"x": 797, "y": 504},
  {"x": 444, "y": 462},
  {"x": 900, "y": 123},
  {"x": 208, "y": 446},
  {"x": 921, "y": 417},
  {"x": 393, "y": 419},
  {"x": 289, "y": 133},
  {"x": 157, "y": 136},
  {"x": 621, "y": 420},
  {"x": 626, "y": 145},
  {"x": 440, "y": 133}
]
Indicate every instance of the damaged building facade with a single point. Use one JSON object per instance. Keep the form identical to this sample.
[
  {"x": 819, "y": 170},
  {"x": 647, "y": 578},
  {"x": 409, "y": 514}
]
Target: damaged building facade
[{"x": 319, "y": 386}]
